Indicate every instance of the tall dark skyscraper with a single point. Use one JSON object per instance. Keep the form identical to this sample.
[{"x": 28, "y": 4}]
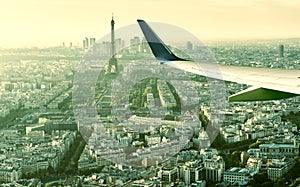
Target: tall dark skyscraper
[
  {"x": 281, "y": 50},
  {"x": 92, "y": 41},
  {"x": 85, "y": 43},
  {"x": 113, "y": 63}
]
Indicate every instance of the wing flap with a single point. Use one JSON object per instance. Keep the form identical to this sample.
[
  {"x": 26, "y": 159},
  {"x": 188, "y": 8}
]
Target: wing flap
[{"x": 259, "y": 94}]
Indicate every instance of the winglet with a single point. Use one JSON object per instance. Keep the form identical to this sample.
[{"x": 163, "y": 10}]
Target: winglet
[{"x": 161, "y": 51}]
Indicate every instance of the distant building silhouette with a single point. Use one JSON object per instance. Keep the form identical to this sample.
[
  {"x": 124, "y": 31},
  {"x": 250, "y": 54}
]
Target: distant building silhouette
[
  {"x": 281, "y": 50},
  {"x": 86, "y": 43},
  {"x": 83, "y": 44},
  {"x": 135, "y": 40},
  {"x": 135, "y": 44},
  {"x": 92, "y": 41},
  {"x": 119, "y": 44},
  {"x": 189, "y": 45}
]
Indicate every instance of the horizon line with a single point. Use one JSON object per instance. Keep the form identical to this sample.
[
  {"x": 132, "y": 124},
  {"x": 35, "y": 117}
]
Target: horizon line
[{"x": 78, "y": 43}]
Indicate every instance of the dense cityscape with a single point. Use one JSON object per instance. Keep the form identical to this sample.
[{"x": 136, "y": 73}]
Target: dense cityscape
[{"x": 162, "y": 138}]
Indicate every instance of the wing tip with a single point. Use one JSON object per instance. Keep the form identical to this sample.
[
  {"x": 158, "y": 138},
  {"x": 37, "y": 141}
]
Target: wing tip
[{"x": 161, "y": 51}]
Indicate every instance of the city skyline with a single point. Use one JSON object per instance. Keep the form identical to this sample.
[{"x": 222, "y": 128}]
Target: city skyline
[
  {"x": 38, "y": 105},
  {"x": 49, "y": 23}
]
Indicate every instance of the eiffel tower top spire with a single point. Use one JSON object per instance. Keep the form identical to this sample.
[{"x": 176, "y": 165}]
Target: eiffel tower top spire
[{"x": 112, "y": 23}]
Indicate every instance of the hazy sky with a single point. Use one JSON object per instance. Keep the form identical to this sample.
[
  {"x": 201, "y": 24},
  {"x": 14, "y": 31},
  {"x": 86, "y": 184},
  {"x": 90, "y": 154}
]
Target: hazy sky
[{"x": 50, "y": 22}]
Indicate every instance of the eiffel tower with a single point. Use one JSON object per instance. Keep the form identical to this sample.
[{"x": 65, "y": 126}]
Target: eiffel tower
[{"x": 113, "y": 63}]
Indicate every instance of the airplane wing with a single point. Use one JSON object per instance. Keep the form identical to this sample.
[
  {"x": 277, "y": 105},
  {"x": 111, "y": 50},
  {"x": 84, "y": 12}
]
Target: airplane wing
[{"x": 267, "y": 84}]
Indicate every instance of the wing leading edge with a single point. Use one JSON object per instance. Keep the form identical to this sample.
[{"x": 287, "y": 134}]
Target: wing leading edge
[{"x": 268, "y": 84}]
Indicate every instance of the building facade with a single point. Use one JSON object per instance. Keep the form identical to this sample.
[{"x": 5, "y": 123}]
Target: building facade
[
  {"x": 214, "y": 168},
  {"x": 279, "y": 167},
  {"x": 9, "y": 174},
  {"x": 277, "y": 150},
  {"x": 237, "y": 175}
]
